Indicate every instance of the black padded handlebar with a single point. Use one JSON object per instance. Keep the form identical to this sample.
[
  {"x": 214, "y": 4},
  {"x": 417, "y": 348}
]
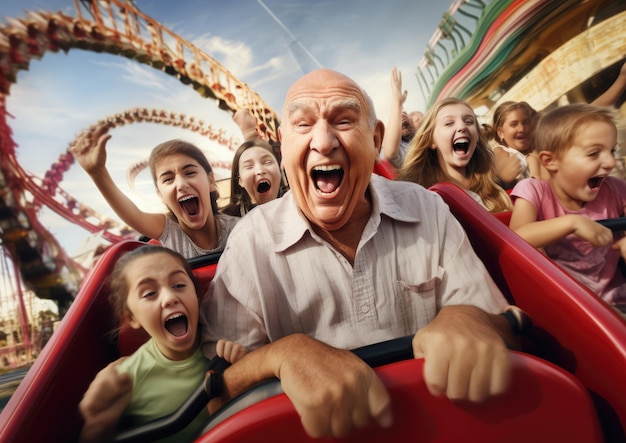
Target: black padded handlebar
[{"x": 375, "y": 355}]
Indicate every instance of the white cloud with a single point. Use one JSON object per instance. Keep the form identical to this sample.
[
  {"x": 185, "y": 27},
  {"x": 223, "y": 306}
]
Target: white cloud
[
  {"x": 64, "y": 93},
  {"x": 235, "y": 56},
  {"x": 142, "y": 75}
]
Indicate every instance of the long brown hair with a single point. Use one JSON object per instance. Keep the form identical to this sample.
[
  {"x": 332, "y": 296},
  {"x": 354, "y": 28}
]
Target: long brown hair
[
  {"x": 499, "y": 116},
  {"x": 421, "y": 164},
  {"x": 240, "y": 202}
]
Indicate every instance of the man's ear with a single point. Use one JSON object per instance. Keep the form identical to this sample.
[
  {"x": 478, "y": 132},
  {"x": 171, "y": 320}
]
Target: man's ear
[
  {"x": 379, "y": 133},
  {"x": 548, "y": 160},
  {"x": 279, "y": 133}
]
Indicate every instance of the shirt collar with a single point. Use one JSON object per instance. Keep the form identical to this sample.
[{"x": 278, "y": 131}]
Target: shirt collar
[{"x": 290, "y": 224}]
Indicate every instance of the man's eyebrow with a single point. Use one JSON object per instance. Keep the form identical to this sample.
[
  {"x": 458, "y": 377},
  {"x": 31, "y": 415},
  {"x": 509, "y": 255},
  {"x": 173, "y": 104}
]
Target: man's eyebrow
[
  {"x": 349, "y": 103},
  {"x": 296, "y": 106}
]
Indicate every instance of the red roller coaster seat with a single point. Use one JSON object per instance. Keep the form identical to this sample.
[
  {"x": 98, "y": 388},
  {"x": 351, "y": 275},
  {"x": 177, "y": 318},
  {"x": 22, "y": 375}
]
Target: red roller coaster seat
[
  {"x": 573, "y": 327},
  {"x": 504, "y": 217},
  {"x": 44, "y": 405},
  {"x": 544, "y": 404},
  {"x": 384, "y": 168}
]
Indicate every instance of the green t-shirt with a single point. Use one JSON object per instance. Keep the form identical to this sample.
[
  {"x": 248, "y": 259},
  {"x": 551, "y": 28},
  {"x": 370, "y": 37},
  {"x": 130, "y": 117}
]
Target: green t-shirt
[{"x": 161, "y": 385}]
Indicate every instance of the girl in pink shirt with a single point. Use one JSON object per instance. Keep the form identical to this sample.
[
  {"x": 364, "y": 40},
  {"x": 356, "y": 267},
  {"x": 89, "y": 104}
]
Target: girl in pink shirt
[{"x": 576, "y": 145}]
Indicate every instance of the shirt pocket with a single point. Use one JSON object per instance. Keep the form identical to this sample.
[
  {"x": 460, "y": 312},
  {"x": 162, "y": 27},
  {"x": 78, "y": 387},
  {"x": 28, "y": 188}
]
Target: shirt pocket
[{"x": 418, "y": 301}]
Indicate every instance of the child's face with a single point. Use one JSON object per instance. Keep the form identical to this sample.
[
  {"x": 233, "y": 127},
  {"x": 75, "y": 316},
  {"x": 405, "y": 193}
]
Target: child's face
[
  {"x": 162, "y": 299},
  {"x": 185, "y": 188},
  {"x": 515, "y": 130},
  {"x": 455, "y": 135},
  {"x": 259, "y": 174},
  {"x": 581, "y": 169}
]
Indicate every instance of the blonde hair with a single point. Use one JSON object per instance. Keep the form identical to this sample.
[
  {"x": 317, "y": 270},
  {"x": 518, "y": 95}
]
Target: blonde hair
[
  {"x": 421, "y": 164},
  {"x": 556, "y": 129}
]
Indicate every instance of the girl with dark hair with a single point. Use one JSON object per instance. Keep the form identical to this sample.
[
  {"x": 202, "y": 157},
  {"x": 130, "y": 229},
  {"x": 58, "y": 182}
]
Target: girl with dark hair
[
  {"x": 256, "y": 177},
  {"x": 185, "y": 183},
  {"x": 152, "y": 288}
]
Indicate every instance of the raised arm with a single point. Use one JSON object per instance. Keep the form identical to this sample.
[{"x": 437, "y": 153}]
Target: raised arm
[
  {"x": 610, "y": 96},
  {"x": 248, "y": 125},
  {"x": 393, "y": 132},
  {"x": 90, "y": 153}
]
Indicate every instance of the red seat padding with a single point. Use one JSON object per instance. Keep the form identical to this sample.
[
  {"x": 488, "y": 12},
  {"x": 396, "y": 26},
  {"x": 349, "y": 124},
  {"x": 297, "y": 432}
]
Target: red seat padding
[
  {"x": 573, "y": 327},
  {"x": 44, "y": 405},
  {"x": 544, "y": 404},
  {"x": 384, "y": 168},
  {"x": 504, "y": 217},
  {"x": 129, "y": 339}
]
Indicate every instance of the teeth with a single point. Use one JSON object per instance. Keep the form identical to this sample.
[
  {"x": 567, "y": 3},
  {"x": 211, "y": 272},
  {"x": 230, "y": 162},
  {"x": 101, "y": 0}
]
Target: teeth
[
  {"x": 462, "y": 140},
  {"x": 189, "y": 197},
  {"x": 327, "y": 168},
  {"x": 173, "y": 316}
]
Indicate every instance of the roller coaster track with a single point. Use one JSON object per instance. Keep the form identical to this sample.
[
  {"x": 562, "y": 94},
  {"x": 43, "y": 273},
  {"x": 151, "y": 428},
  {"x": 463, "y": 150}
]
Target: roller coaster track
[
  {"x": 113, "y": 27},
  {"x": 81, "y": 214},
  {"x": 510, "y": 44}
]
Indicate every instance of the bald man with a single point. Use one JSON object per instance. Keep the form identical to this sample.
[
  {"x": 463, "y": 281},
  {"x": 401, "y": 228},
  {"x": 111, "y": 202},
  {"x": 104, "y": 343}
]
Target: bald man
[{"x": 345, "y": 259}]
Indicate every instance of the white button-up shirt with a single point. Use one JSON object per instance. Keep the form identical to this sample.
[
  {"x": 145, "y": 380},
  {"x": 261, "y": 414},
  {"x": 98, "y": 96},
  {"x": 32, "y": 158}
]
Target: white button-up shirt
[{"x": 277, "y": 276}]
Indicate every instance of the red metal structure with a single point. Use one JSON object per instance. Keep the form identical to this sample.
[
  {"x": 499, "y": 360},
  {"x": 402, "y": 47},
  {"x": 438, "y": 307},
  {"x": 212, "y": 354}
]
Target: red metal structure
[{"x": 115, "y": 27}]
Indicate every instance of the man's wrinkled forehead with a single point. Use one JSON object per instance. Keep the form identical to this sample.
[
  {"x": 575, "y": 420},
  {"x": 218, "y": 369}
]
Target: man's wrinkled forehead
[{"x": 324, "y": 88}]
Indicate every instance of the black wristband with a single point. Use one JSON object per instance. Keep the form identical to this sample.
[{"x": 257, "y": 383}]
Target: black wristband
[
  {"x": 520, "y": 321},
  {"x": 213, "y": 383}
]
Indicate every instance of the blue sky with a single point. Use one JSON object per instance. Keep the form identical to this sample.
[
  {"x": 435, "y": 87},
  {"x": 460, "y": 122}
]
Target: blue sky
[{"x": 265, "y": 43}]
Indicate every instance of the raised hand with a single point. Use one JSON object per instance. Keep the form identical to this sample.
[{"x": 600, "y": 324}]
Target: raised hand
[{"x": 90, "y": 148}]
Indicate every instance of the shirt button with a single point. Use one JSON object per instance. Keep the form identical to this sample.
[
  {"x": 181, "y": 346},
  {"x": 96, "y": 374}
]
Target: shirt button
[{"x": 365, "y": 309}]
